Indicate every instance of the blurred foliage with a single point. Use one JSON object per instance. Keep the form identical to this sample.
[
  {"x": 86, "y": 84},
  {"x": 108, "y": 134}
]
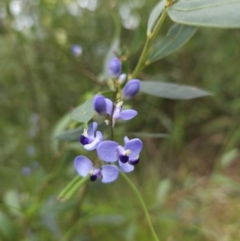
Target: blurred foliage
[{"x": 189, "y": 180}]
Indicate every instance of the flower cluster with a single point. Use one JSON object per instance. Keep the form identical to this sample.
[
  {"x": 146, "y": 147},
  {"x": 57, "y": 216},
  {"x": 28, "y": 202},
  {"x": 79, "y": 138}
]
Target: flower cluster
[{"x": 109, "y": 151}]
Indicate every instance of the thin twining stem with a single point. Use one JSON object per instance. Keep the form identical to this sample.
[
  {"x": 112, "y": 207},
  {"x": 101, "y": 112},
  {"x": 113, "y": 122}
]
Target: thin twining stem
[{"x": 142, "y": 203}]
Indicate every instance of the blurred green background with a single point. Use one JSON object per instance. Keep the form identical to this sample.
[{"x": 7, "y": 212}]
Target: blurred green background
[{"x": 190, "y": 180}]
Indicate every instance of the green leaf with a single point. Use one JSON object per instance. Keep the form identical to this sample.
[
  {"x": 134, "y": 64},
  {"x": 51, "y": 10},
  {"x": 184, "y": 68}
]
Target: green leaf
[
  {"x": 176, "y": 37},
  {"x": 157, "y": 10},
  {"x": 11, "y": 199},
  {"x": 171, "y": 91},
  {"x": 229, "y": 157},
  {"x": 149, "y": 135},
  {"x": 163, "y": 190},
  {"x": 84, "y": 112},
  {"x": 70, "y": 135},
  {"x": 58, "y": 128},
  {"x": 7, "y": 227},
  {"x": 214, "y": 13}
]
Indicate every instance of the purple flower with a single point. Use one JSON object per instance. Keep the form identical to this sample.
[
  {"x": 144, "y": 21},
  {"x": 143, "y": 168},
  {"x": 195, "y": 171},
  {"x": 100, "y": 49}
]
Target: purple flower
[
  {"x": 84, "y": 167},
  {"x": 105, "y": 106},
  {"x": 131, "y": 89},
  {"x": 88, "y": 138},
  {"x": 114, "y": 67},
  {"x": 99, "y": 104},
  {"x": 127, "y": 156},
  {"x": 102, "y": 105},
  {"x": 26, "y": 171},
  {"x": 118, "y": 113},
  {"x": 76, "y": 50}
]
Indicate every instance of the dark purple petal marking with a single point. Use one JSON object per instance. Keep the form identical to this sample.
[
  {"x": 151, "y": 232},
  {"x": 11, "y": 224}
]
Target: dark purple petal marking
[
  {"x": 82, "y": 165},
  {"x": 107, "y": 151},
  {"x": 88, "y": 139},
  {"x": 109, "y": 173},
  {"x": 93, "y": 178},
  {"x": 134, "y": 161},
  {"x": 95, "y": 174},
  {"x": 131, "y": 89},
  {"x": 84, "y": 140},
  {"x": 123, "y": 158}
]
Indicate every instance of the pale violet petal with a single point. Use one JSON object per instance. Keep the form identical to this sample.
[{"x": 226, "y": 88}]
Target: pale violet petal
[
  {"x": 82, "y": 165},
  {"x": 127, "y": 114},
  {"x": 135, "y": 146},
  {"x": 109, "y": 105},
  {"x": 92, "y": 128},
  {"x": 99, "y": 135},
  {"x": 93, "y": 145},
  {"x": 107, "y": 151},
  {"x": 126, "y": 167},
  {"x": 109, "y": 173},
  {"x": 126, "y": 140},
  {"x": 117, "y": 112}
]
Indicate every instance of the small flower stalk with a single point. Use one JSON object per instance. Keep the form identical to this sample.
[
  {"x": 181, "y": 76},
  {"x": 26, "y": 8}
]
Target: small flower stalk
[{"x": 115, "y": 157}]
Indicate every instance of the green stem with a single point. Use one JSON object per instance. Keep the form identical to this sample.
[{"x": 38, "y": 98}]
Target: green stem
[
  {"x": 142, "y": 203},
  {"x": 150, "y": 38},
  {"x": 72, "y": 188}
]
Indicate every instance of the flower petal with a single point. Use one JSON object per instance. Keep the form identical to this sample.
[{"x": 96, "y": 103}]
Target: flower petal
[
  {"x": 93, "y": 145},
  {"x": 126, "y": 167},
  {"x": 82, "y": 165},
  {"x": 114, "y": 67},
  {"x": 107, "y": 151},
  {"x": 99, "y": 104},
  {"x": 99, "y": 135},
  {"x": 126, "y": 140},
  {"x": 117, "y": 112},
  {"x": 122, "y": 155},
  {"x": 127, "y": 114},
  {"x": 109, "y": 173},
  {"x": 131, "y": 89},
  {"x": 135, "y": 145},
  {"x": 109, "y": 106},
  {"x": 92, "y": 128}
]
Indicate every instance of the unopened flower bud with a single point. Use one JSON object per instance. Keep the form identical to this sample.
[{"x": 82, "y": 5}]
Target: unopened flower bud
[
  {"x": 114, "y": 67},
  {"x": 76, "y": 50},
  {"x": 131, "y": 89},
  {"x": 122, "y": 78},
  {"x": 99, "y": 104}
]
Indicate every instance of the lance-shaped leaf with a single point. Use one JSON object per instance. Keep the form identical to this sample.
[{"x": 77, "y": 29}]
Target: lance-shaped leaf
[
  {"x": 214, "y": 13},
  {"x": 84, "y": 112},
  {"x": 172, "y": 91},
  {"x": 70, "y": 135},
  {"x": 154, "y": 15},
  {"x": 176, "y": 37},
  {"x": 149, "y": 135}
]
